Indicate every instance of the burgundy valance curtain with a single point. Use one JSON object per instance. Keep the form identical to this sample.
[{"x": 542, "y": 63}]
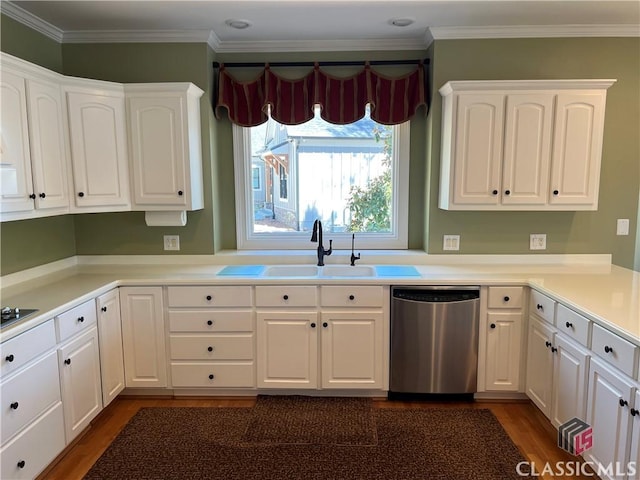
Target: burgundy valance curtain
[{"x": 342, "y": 100}]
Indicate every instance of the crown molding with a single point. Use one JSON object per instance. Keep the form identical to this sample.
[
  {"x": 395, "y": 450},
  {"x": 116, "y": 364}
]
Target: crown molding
[
  {"x": 535, "y": 31},
  {"x": 30, "y": 20},
  {"x": 137, "y": 36},
  {"x": 333, "y": 45}
]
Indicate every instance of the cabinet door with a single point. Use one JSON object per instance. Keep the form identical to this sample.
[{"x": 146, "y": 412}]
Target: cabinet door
[
  {"x": 98, "y": 149},
  {"x": 635, "y": 435},
  {"x": 80, "y": 379},
  {"x": 540, "y": 365},
  {"x": 527, "y": 149},
  {"x": 159, "y": 151},
  {"x": 15, "y": 160},
  {"x": 609, "y": 418},
  {"x": 570, "y": 375},
  {"x": 287, "y": 346},
  {"x": 478, "y": 149},
  {"x": 48, "y": 150},
  {"x": 143, "y": 337},
  {"x": 504, "y": 335},
  {"x": 577, "y": 150},
  {"x": 352, "y": 350},
  {"x": 110, "y": 336}
]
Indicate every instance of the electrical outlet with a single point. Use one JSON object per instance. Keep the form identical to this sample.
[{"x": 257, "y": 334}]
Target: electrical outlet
[
  {"x": 538, "y": 241},
  {"x": 451, "y": 242},
  {"x": 623, "y": 226},
  {"x": 172, "y": 242}
]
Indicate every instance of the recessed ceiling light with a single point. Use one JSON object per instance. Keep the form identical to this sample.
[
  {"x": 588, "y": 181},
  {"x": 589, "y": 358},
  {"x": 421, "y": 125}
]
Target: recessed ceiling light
[
  {"x": 401, "y": 22},
  {"x": 238, "y": 24}
]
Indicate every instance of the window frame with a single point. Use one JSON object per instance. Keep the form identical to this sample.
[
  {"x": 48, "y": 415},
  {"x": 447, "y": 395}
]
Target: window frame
[{"x": 397, "y": 239}]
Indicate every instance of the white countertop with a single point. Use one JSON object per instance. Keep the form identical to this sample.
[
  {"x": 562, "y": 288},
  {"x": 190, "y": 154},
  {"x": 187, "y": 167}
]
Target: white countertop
[{"x": 607, "y": 294}]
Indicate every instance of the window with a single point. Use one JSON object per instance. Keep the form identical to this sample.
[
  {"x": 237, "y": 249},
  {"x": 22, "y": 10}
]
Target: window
[
  {"x": 255, "y": 178},
  {"x": 353, "y": 178}
]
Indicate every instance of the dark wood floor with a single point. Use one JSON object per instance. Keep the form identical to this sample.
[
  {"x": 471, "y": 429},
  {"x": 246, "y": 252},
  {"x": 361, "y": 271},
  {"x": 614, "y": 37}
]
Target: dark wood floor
[{"x": 525, "y": 424}]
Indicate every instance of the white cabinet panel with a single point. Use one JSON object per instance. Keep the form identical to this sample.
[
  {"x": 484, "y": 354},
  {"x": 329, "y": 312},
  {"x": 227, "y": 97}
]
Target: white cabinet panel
[
  {"x": 503, "y": 351},
  {"x": 577, "y": 148},
  {"x": 540, "y": 352},
  {"x": 527, "y": 151},
  {"x": 110, "y": 337},
  {"x": 352, "y": 349},
  {"x": 478, "y": 149},
  {"x": 80, "y": 380},
  {"x": 608, "y": 415},
  {"x": 287, "y": 349},
  {"x": 143, "y": 336},
  {"x": 98, "y": 148},
  {"x": 164, "y": 127},
  {"x": 570, "y": 376},
  {"x": 48, "y": 146},
  {"x": 15, "y": 163}
]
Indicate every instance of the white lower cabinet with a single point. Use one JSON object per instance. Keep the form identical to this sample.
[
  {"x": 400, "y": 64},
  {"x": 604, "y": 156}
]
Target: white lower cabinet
[
  {"x": 570, "y": 377},
  {"x": 79, "y": 362},
  {"x": 635, "y": 434},
  {"x": 608, "y": 412},
  {"x": 287, "y": 349},
  {"x": 503, "y": 350},
  {"x": 336, "y": 342},
  {"x": 143, "y": 336},
  {"x": 352, "y": 349},
  {"x": 540, "y": 364},
  {"x": 29, "y": 453},
  {"x": 110, "y": 337}
]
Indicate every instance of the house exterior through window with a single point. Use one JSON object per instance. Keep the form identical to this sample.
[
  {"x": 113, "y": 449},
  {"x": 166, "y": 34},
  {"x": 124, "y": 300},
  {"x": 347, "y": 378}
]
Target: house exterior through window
[{"x": 351, "y": 177}]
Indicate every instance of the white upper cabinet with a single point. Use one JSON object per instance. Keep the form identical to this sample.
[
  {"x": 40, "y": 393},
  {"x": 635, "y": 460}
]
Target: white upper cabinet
[
  {"x": 97, "y": 132},
  {"x": 522, "y": 145},
  {"x": 33, "y": 168},
  {"x": 165, "y": 148},
  {"x": 577, "y": 148}
]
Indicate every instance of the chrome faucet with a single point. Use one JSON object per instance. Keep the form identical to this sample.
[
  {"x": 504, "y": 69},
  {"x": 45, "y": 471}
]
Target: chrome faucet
[{"x": 316, "y": 236}]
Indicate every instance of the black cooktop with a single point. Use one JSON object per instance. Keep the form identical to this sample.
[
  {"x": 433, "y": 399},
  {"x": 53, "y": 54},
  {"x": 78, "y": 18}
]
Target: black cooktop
[{"x": 13, "y": 315}]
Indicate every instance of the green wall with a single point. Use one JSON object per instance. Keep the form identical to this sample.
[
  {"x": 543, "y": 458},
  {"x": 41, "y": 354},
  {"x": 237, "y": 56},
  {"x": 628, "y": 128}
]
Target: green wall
[
  {"x": 567, "y": 232},
  {"x": 33, "y": 242}
]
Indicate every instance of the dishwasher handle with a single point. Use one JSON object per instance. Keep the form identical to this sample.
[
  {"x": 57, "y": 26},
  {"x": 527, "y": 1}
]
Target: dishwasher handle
[{"x": 436, "y": 296}]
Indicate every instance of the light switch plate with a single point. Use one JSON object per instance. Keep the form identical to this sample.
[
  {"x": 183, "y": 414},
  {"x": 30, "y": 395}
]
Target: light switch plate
[
  {"x": 172, "y": 242},
  {"x": 538, "y": 241},
  {"x": 623, "y": 226},
  {"x": 451, "y": 242}
]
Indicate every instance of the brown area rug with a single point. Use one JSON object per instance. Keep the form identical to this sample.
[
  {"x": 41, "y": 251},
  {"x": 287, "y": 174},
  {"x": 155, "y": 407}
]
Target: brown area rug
[
  {"x": 312, "y": 420},
  {"x": 208, "y": 443}
]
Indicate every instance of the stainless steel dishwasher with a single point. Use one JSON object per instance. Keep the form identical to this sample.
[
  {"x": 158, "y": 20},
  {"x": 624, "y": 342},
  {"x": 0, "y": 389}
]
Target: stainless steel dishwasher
[{"x": 434, "y": 340}]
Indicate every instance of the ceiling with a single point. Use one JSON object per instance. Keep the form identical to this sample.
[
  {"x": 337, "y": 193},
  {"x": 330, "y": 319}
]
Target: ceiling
[{"x": 299, "y": 25}]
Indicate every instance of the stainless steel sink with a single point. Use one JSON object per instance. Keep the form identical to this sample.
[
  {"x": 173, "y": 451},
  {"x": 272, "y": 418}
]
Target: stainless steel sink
[
  {"x": 291, "y": 271},
  {"x": 348, "y": 271}
]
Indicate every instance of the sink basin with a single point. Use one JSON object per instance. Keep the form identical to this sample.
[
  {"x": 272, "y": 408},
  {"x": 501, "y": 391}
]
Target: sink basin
[
  {"x": 291, "y": 271},
  {"x": 348, "y": 271}
]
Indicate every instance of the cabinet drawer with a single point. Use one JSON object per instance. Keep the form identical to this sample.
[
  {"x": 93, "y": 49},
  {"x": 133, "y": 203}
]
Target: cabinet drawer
[
  {"x": 347, "y": 296},
  {"x": 29, "y": 394},
  {"x": 25, "y": 347},
  {"x": 212, "y": 320},
  {"x": 212, "y": 347},
  {"x": 37, "y": 446},
  {"x": 286, "y": 296},
  {"x": 205, "y": 296},
  {"x": 543, "y": 306},
  {"x": 573, "y": 324},
  {"x": 614, "y": 349},
  {"x": 75, "y": 320},
  {"x": 505, "y": 297},
  {"x": 196, "y": 374}
]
